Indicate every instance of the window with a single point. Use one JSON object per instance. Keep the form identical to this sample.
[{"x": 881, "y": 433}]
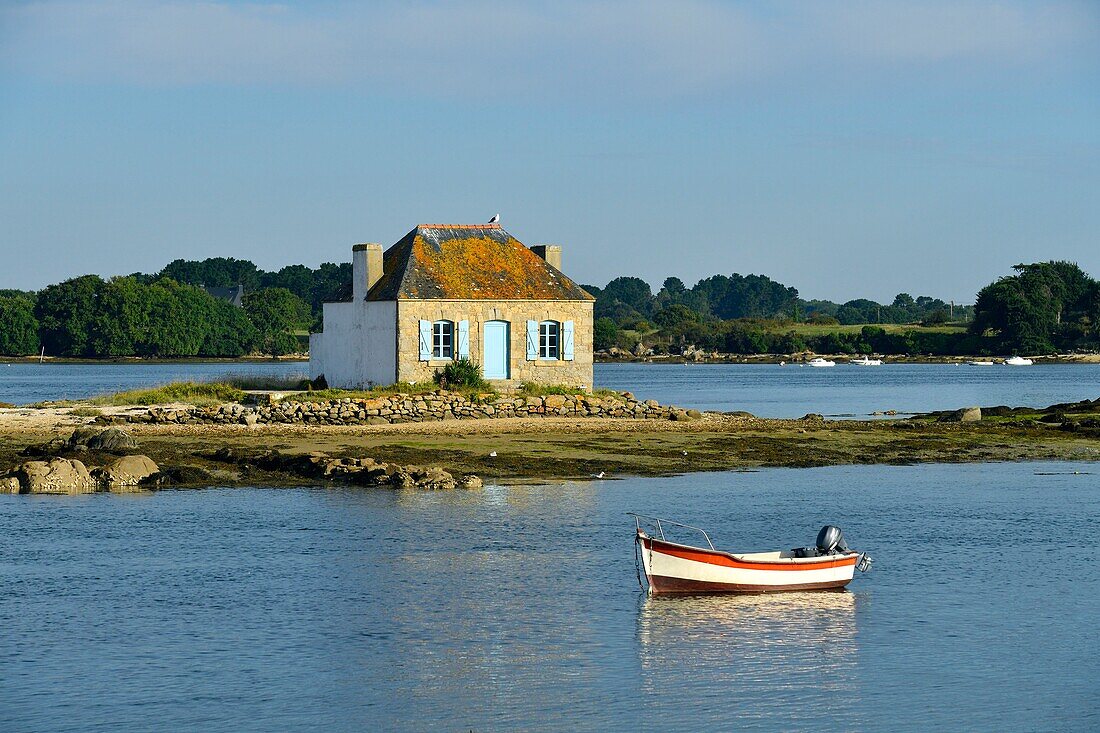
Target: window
[
  {"x": 443, "y": 339},
  {"x": 549, "y": 332}
]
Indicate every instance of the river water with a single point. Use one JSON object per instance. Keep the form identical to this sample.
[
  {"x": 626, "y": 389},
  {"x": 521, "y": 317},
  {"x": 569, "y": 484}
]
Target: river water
[
  {"x": 518, "y": 608},
  {"x": 767, "y": 390}
]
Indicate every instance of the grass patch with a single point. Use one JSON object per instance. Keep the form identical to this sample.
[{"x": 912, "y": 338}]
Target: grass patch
[
  {"x": 86, "y": 412},
  {"x": 474, "y": 394},
  {"x": 533, "y": 389},
  {"x": 267, "y": 382},
  {"x": 192, "y": 393}
]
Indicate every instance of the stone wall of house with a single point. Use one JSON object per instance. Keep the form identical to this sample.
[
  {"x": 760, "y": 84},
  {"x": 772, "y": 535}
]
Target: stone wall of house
[
  {"x": 433, "y": 406},
  {"x": 575, "y": 373}
]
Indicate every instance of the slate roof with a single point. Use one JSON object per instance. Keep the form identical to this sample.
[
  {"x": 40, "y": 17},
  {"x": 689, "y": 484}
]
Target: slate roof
[
  {"x": 234, "y": 295},
  {"x": 468, "y": 262}
]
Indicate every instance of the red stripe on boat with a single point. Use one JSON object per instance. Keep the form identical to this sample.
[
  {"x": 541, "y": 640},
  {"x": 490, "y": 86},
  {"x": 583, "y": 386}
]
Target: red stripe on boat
[{"x": 726, "y": 560}]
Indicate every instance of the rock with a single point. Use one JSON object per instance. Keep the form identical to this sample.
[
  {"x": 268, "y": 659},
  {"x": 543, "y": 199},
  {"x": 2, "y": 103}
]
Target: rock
[
  {"x": 813, "y": 417},
  {"x": 49, "y": 448},
  {"x": 250, "y": 419},
  {"x": 554, "y": 401},
  {"x": 183, "y": 476},
  {"x": 112, "y": 440},
  {"x": 966, "y": 414},
  {"x": 471, "y": 482},
  {"x": 55, "y": 476},
  {"x": 694, "y": 414},
  {"x": 127, "y": 471},
  {"x": 9, "y": 485},
  {"x": 81, "y": 437}
]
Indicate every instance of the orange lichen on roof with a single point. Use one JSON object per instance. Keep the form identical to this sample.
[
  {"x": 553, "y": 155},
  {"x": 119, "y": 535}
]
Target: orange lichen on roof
[{"x": 439, "y": 262}]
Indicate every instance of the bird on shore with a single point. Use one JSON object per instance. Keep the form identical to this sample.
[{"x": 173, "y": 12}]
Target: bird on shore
[
  {"x": 495, "y": 219},
  {"x": 601, "y": 474},
  {"x": 493, "y": 454}
]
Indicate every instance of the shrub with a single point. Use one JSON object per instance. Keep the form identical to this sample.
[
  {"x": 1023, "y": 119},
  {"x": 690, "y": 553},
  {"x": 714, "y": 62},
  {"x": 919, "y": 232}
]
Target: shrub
[{"x": 460, "y": 373}]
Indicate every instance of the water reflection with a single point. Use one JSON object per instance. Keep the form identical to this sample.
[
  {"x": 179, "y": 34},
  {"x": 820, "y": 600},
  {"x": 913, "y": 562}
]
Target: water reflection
[{"x": 773, "y": 653}]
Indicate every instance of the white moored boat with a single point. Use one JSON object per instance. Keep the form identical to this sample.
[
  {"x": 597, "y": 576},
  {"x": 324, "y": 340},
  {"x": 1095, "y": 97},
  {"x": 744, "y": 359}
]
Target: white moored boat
[
  {"x": 979, "y": 363},
  {"x": 1018, "y": 361},
  {"x": 671, "y": 567},
  {"x": 866, "y": 361},
  {"x": 819, "y": 362}
]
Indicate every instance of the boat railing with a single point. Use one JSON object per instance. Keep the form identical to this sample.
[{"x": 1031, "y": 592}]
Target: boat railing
[{"x": 659, "y": 524}]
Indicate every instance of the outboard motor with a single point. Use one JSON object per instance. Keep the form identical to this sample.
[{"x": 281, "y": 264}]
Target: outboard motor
[{"x": 830, "y": 541}]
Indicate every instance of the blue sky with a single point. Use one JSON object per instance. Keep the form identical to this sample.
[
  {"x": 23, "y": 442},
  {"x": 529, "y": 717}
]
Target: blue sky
[{"x": 850, "y": 149}]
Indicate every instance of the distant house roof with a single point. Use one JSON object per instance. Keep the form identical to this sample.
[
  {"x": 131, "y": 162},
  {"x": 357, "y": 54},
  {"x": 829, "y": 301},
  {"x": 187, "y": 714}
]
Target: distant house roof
[
  {"x": 468, "y": 262},
  {"x": 234, "y": 295}
]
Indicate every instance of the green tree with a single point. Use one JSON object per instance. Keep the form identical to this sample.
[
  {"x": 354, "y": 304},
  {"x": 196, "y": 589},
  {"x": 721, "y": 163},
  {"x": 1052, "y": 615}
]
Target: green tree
[
  {"x": 213, "y": 272},
  {"x": 605, "y": 333},
  {"x": 298, "y": 279},
  {"x": 178, "y": 320},
  {"x": 18, "y": 327},
  {"x": 630, "y": 291},
  {"x": 230, "y": 333},
  {"x": 65, "y": 314},
  {"x": 121, "y": 319},
  {"x": 276, "y": 312}
]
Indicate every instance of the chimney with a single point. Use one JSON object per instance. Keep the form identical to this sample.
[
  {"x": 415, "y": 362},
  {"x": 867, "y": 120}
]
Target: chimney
[
  {"x": 366, "y": 269},
  {"x": 549, "y": 252}
]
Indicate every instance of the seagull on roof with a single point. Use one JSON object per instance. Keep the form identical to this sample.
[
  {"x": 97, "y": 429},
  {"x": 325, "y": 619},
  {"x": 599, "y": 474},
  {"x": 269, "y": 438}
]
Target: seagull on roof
[{"x": 495, "y": 219}]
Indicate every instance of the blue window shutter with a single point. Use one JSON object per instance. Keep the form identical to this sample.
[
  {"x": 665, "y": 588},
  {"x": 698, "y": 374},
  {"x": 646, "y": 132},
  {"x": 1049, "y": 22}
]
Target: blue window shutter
[
  {"x": 532, "y": 340},
  {"x": 463, "y": 339},
  {"x": 425, "y": 340},
  {"x": 567, "y": 340}
]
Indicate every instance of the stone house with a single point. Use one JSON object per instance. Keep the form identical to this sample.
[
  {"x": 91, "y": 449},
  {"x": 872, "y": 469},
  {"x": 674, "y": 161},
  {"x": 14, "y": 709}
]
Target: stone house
[{"x": 449, "y": 291}]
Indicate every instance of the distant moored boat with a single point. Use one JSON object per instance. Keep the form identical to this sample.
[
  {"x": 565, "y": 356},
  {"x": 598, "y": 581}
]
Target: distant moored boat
[
  {"x": 866, "y": 361},
  {"x": 1018, "y": 361},
  {"x": 819, "y": 362}
]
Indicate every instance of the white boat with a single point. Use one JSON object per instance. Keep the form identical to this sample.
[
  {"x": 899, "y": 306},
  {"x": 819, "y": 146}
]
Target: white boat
[
  {"x": 865, "y": 361},
  {"x": 672, "y": 567},
  {"x": 979, "y": 363},
  {"x": 1018, "y": 361},
  {"x": 819, "y": 362}
]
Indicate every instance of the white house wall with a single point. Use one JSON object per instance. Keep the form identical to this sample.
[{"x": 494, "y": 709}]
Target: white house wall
[{"x": 358, "y": 346}]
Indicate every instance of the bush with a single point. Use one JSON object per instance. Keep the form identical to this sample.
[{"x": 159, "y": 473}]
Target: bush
[{"x": 460, "y": 373}]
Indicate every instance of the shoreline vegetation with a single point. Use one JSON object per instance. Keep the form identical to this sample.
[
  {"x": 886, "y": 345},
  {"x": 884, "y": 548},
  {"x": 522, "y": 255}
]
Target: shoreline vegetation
[
  {"x": 619, "y": 356},
  {"x": 229, "y": 308},
  {"x": 424, "y": 437}
]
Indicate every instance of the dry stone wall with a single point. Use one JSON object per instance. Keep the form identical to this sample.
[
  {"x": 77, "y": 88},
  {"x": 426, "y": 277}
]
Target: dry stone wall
[{"x": 404, "y": 408}]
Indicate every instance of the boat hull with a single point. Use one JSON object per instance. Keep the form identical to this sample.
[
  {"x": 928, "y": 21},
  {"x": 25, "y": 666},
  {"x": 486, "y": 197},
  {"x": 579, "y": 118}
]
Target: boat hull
[{"x": 675, "y": 568}]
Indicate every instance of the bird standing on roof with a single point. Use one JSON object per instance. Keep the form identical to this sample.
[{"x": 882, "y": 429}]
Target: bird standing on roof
[{"x": 495, "y": 219}]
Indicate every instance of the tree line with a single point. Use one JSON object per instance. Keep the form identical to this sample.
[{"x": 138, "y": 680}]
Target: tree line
[
  {"x": 1041, "y": 308},
  {"x": 1044, "y": 307}
]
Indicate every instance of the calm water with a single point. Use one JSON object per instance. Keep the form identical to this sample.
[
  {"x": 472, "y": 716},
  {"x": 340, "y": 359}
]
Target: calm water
[
  {"x": 767, "y": 390},
  {"x": 22, "y": 384},
  {"x": 770, "y": 390},
  {"x": 518, "y": 608}
]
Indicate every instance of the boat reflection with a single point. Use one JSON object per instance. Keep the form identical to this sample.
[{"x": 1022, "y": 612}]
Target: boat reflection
[{"x": 772, "y": 651}]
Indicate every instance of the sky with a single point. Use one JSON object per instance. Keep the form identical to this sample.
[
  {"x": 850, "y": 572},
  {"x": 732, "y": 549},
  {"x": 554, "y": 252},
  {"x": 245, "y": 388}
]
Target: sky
[{"x": 849, "y": 149}]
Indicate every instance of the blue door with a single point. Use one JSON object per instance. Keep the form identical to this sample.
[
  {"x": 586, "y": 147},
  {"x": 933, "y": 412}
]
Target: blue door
[{"x": 495, "y": 350}]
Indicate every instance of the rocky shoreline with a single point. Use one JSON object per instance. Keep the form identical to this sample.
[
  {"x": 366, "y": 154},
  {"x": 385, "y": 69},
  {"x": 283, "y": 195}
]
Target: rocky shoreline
[
  {"x": 64, "y": 468},
  {"x": 57, "y": 450},
  {"x": 424, "y": 407}
]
